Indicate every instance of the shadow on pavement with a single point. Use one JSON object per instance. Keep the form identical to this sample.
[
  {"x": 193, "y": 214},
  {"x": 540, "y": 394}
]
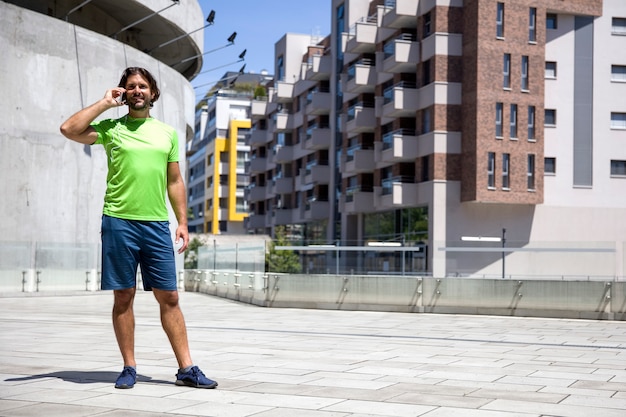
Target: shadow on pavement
[{"x": 86, "y": 377}]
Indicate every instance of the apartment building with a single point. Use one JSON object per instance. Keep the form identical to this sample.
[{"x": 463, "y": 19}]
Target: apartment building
[
  {"x": 217, "y": 156},
  {"x": 421, "y": 122},
  {"x": 290, "y": 142}
]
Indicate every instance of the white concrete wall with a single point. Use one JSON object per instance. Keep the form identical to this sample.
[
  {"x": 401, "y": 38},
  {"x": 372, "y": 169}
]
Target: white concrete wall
[
  {"x": 52, "y": 189},
  {"x": 292, "y": 46},
  {"x": 608, "y": 97}
]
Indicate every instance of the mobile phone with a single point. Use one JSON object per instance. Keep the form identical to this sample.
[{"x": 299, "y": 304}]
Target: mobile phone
[{"x": 121, "y": 98}]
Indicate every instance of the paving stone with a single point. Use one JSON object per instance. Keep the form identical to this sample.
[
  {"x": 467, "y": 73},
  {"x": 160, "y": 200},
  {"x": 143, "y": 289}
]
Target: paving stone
[{"x": 59, "y": 357}]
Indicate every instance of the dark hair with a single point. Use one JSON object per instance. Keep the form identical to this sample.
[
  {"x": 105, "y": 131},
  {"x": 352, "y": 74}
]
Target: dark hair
[{"x": 154, "y": 89}]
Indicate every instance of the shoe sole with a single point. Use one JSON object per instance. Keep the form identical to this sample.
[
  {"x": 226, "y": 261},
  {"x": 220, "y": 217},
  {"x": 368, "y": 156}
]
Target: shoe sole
[
  {"x": 192, "y": 385},
  {"x": 124, "y": 386}
]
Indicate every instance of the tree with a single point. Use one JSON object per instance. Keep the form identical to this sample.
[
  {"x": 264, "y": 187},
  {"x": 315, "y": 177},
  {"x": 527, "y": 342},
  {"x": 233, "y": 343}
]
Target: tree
[
  {"x": 281, "y": 260},
  {"x": 191, "y": 253},
  {"x": 259, "y": 92}
]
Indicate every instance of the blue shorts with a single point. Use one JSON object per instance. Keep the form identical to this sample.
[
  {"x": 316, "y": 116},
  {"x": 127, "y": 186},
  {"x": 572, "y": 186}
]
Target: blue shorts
[{"x": 129, "y": 243}]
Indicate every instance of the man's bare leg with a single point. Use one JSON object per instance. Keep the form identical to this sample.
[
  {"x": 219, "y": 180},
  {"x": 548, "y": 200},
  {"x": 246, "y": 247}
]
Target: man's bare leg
[
  {"x": 173, "y": 323},
  {"x": 124, "y": 324}
]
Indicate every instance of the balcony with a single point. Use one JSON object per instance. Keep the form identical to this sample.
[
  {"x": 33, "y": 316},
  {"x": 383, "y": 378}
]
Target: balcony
[
  {"x": 284, "y": 154},
  {"x": 318, "y": 138},
  {"x": 400, "y": 100},
  {"x": 257, "y": 221},
  {"x": 403, "y": 15},
  {"x": 320, "y": 68},
  {"x": 361, "y": 77},
  {"x": 283, "y": 185},
  {"x": 256, "y": 193},
  {"x": 284, "y": 121},
  {"x": 284, "y": 216},
  {"x": 315, "y": 174},
  {"x": 283, "y": 92},
  {"x": 442, "y": 44},
  {"x": 360, "y": 118},
  {"x": 259, "y": 107},
  {"x": 358, "y": 199},
  {"x": 316, "y": 210},
  {"x": 400, "y": 55},
  {"x": 396, "y": 192},
  {"x": 258, "y": 165},
  {"x": 397, "y": 146},
  {"x": 362, "y": 37},
  {"x": 358, "y": 160},
  {"x": 318, "y": 102},
  {"x": 259, "y": 137},
  {"x": 439, "y": 93}
]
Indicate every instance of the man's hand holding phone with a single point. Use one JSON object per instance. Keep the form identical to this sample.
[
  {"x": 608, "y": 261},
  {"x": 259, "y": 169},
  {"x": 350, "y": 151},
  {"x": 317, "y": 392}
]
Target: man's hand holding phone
[{"x": 121, "y": 98}]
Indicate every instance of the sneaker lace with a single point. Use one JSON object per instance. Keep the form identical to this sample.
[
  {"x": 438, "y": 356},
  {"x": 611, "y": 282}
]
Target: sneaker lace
[{"x": 197, "y": 374}]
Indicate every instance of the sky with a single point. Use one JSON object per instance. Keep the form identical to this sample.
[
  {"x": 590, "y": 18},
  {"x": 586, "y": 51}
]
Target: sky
[{"x": 259, "y": 25}]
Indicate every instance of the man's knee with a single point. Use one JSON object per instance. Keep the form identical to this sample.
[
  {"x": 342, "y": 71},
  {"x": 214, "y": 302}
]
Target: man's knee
[
  {"x": 166, "y": 298},
  {"x": 124, "y": 298}
]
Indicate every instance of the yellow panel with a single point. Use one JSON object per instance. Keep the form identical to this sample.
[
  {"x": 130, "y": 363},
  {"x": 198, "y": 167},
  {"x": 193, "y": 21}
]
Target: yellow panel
[
  {"x": 220, "y": 147},
  {"x": 235, "y": 125}
]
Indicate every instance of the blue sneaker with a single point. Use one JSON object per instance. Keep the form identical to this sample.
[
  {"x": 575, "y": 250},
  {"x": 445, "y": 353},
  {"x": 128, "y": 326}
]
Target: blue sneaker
[
  {"x": 194, "y": 378},
  {"x": 127, "y": 378}
]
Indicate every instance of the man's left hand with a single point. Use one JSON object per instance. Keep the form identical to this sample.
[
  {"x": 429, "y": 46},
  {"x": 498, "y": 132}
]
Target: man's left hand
[{"x": 182, "y": 233}]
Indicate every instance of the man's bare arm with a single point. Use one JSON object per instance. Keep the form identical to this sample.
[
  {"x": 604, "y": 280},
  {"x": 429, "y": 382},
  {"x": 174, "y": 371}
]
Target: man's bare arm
[
  {"x": 177, "y": 195},
  {"x": 77, "y": 127}
]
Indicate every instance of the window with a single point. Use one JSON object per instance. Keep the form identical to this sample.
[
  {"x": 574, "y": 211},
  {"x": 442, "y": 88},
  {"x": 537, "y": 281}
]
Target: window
[
  {"x": 491, "y": 169},
  {"x": 499, "y": 108},
  {"x": 551, "y": 21},
  {"x": 242, "y": 158},
  {"x": 524, "y": 73},
  {"x": 426, "y": 122},
  {"x": 530, "y": 172},
  {"x": 532, "y": 25},
  {"x": 550, "y": 117},
  {"x": 618, "y": 120},
  {"x": 506, "y": 159},
  {"x": 619, "y": 26},
  {"x": 500, "y": 21},
  {"x": 549, "y": 165},
  {"x": 506, "y": 71},
  {"x": 618, "y": 73},
  {"x": 280, "y": 69},
  {"x": 618, "y": 168},
  {"x": 531, "y": 122},
  {"x": 241, "y": 205},
  {"x": 427, "y": 25},
  {"x": 550, "y": 69},
  {"x": 426, "y": 79},
  {"x": 513, "y": 118},
  {"x": 425, "y": 171}
]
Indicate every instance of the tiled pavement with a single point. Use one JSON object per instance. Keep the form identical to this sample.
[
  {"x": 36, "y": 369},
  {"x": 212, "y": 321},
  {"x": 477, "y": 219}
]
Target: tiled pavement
[{"x": 58, "y": 357}]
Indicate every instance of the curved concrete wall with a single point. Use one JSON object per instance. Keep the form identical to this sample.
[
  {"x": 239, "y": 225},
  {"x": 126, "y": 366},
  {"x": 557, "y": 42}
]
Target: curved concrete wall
[{"x": 51, "y": 188}]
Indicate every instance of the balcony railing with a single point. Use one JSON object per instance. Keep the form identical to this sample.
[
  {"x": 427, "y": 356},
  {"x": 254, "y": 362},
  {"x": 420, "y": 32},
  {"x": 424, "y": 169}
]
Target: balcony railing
[
  {"x": 353, "y": 191},
  {"x": 365, "y": 62},
  {"x": 388, "y": 137},
  {"x": 352, "y": 111},
  {"x": 387, "y": 183}
]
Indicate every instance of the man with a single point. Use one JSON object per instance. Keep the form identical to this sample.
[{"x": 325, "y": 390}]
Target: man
[{"x": 142, "y": 157}]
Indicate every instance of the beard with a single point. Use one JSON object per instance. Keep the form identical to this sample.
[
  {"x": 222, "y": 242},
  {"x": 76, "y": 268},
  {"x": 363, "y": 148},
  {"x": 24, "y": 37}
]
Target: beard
[{"x": 139, "y": 106}]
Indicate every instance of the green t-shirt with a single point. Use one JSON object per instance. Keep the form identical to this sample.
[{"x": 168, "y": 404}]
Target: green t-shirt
[{"x": 138, "y": 151}]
